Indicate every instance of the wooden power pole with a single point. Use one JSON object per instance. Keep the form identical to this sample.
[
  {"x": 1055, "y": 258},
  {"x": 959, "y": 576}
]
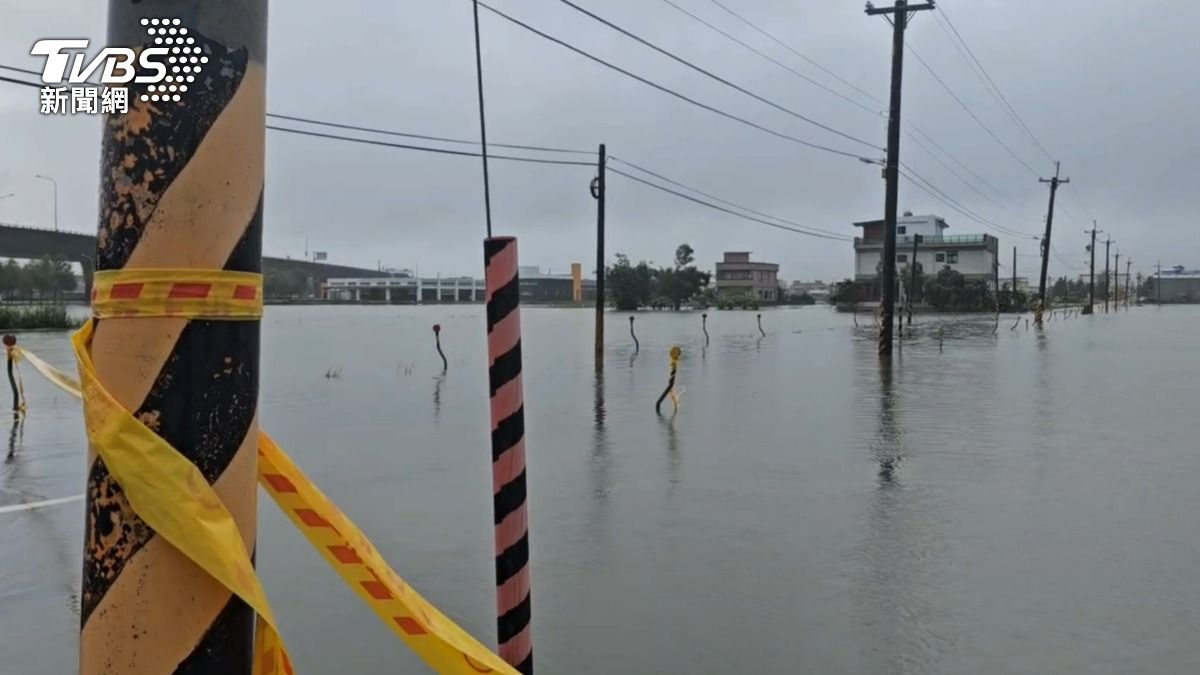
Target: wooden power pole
[
  {"x": 1092, "y": 283},
  {"x": 899, "y": 15}
]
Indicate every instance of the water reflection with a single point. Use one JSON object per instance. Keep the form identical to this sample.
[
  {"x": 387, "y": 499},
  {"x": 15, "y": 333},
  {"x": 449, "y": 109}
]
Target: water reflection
[
  {"x": 438, "y": 382},
  {"x": 15, "y": 435}
]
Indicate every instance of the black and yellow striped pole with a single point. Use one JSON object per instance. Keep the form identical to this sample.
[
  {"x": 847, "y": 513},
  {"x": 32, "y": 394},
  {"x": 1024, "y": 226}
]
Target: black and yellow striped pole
[{"x": 181, "y": 185}]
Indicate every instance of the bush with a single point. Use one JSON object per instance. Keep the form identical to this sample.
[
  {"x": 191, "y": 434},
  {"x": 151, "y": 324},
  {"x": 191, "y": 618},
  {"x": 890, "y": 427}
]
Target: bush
[{"x": 37, "y": 316}]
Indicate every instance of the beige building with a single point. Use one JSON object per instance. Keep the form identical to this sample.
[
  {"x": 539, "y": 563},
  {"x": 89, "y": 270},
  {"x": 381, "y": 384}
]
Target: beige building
[{"x": 737, "y": 275}]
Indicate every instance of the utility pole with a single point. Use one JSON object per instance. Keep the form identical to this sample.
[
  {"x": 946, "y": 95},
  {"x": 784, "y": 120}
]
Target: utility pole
[
  {"x": 1158, "y": 284},
  {"x": 1014, "y": 286},
  {"x": 193, "y": 377},
  {"x": 1107, "y": 244},
  {"x": 1054, "y": 183},
  {"x": 912, "y": 283},
  {"x": 1092, "y": 284},
  {"x": 1128, "y": 264},
  {"x": 899, "y": 16},
  {"x": 598, "y": 193},
  {"x": 1116, "y": 282}
]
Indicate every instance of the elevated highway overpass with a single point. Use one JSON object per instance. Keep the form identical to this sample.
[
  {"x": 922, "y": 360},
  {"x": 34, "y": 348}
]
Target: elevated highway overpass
[{"x": 17, "y": 241}]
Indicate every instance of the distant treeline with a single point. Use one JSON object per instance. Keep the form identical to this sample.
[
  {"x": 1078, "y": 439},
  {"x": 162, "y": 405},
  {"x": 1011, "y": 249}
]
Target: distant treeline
[{"x": 45, "y": 279}]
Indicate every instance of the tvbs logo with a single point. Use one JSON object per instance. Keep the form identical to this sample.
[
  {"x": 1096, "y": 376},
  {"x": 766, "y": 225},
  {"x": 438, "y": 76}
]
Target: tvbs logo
[{"x": 167, "y": 68}]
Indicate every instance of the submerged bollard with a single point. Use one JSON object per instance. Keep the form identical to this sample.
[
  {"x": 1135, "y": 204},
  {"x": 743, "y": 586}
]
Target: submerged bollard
[
  {"x": 513, "y": 607},
  {"x": 676, "y": 352},
  {"x": 637, "y": 346},
  {"x": 437, "y": 338},
  {"x": 10, "y": 348},
  {"x": 760, "y": 328},
  {"x": 181, "y": 190},
  {"x": 704, "y": 327}
]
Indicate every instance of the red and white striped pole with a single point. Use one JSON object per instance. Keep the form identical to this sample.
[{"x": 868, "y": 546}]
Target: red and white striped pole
[{"x": 503, "y": 298}]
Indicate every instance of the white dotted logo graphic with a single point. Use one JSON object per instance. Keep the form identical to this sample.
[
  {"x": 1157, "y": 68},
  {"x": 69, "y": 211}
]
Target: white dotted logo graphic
[{"x": 184, "y": 62}]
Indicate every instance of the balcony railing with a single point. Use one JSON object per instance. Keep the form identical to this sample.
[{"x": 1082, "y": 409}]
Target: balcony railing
[{"x": 952, "y": 240}]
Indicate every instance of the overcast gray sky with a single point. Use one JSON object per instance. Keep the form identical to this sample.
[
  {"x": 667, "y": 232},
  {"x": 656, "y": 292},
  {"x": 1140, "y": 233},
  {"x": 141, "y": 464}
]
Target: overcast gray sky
[{"x": 1109, "y": 88}]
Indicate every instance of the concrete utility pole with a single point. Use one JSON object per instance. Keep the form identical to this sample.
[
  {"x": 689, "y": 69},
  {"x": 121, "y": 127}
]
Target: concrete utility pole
[
  {"x": 1158, "y": 284},
  {"x": 1014, "y": 285},
  {"x": 1107, "y": 244},
  {"x": 1092, "y": 283},
  {"x": 1128, "y": 265},
  {"x": 899, "y": 16},
  {"x": 144, "y": 607},
  {"x": 1116, "y": 282},
  {"x": 598, "y": 189},
  {"x": 1054, "y": 183},
  {"x": 912, "y": 283}
]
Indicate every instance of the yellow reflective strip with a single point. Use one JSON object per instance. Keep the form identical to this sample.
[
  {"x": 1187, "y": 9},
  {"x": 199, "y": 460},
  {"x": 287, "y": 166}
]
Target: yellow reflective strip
[
  {"x": 183, "y": 293},
  {"x": 443, "y": 645},
  {"x": 169, "y": 492}
]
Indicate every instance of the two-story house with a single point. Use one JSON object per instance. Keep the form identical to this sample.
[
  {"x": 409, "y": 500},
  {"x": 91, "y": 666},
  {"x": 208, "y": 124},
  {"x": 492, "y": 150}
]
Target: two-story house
[{"x": 972, "y": 255}]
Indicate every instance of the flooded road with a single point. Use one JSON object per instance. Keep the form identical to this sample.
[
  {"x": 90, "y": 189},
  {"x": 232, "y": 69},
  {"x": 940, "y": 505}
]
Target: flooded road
[{"x": 1010, "y": 503}]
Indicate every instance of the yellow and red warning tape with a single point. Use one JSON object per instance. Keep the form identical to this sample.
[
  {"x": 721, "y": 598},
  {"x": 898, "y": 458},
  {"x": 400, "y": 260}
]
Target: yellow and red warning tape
[{"x": 171, "y": 495}]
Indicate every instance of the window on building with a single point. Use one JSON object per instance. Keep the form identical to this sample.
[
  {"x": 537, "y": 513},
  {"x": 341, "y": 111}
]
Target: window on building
[
  {"x": 951, "y": 256},
  {"x": 940, "y": 257},
  {"x": 902, "y": 229},
  {"x": 902, "y": 258}
]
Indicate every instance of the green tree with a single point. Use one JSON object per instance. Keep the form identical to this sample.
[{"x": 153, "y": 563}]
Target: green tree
[
  {"x": 951, "y": 291},
  {"x": 284, "y": 284},
  {"x": 630, "y": 286},
  {"x": 677, "y": 285},
  {"x": 10, "y": 279}
]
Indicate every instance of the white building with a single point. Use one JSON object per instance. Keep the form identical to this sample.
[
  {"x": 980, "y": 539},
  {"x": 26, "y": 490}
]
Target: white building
[
  {"x": 972, "y": 255},
  {"x": 405, "y": 289}
]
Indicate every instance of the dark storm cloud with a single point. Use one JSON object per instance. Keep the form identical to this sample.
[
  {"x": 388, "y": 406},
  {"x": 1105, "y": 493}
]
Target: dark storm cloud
[{"x": 1109, "y": 93}]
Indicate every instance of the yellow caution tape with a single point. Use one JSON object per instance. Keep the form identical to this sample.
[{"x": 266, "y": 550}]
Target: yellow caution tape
[
  {"x": 56, "y": 376},
  {"x": 443, "y": 645},
  {"x": 172, "y": 497},
  {"x": 192, "y": 294},
  {"x": 170, "y": 494}
]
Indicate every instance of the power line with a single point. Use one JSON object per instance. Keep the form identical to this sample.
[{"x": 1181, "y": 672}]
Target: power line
[
  {"x": 994, "y": 87},
  {"x": 793, "y": 50},
  {"x": 969, "y": 184},
  {"x": 721, "y": 208},
  {"x": 372, "y": 130},
  {"x": 777, "y": 62},
  {"x": 442, "y": 139},
  {"x": 717, "y": 78},
  {"x": 421, "y": 148},
  {"x": 929, "y": 188},
  {"x": 664, "y": 89},
  {"x": 726, "y": 202},
  {"x": 970, "y": 112}
]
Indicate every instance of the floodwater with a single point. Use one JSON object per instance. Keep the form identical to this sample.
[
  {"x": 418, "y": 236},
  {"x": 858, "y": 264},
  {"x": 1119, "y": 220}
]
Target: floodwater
[{"x": 1009, "y": 503}]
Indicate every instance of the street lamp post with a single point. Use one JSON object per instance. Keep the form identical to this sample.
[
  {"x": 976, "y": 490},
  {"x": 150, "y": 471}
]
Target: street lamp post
[{"x": 55, "y": 183}]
